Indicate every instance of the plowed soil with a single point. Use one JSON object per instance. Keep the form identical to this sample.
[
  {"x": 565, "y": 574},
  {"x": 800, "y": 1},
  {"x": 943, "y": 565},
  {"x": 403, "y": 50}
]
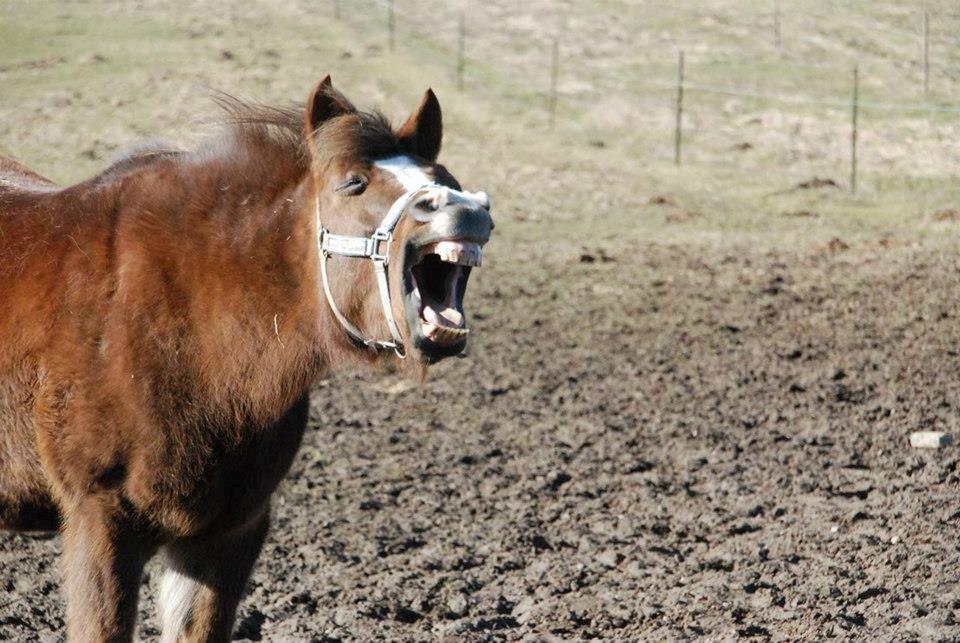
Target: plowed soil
[{"x": 643, "y": 445}]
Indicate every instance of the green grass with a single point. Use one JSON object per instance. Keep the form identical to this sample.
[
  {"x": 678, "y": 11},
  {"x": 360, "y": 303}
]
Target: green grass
[
  {"x": 76, "y": 33},
  {"x": 81, "y": 81}
]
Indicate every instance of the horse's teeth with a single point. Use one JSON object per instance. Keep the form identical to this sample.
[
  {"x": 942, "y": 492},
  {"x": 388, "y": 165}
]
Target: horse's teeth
[
  {"x": 456, "y": 252},
  {"x": 443, "y": 334}
]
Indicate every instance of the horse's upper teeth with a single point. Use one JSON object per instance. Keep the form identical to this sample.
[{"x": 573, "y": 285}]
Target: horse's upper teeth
[{"x": 458, "y": 252}]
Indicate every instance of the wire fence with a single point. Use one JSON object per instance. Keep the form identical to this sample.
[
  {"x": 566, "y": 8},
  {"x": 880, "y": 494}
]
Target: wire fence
[{"x": 889, "y": 64}]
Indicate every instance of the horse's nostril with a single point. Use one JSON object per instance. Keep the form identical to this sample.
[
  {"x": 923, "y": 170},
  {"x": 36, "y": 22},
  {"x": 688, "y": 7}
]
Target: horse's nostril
[{"x": 427, "y": 203}]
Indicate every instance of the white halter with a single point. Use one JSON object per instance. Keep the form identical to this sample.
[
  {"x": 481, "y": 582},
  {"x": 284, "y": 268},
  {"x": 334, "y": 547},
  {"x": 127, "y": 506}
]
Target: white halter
[
  {"x": 367, "y": 248},
  {"x": 370, "y": 247}
]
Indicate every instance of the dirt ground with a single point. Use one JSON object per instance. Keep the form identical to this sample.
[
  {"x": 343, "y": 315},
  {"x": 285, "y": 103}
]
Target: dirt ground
[{"x": 717, "y": 451}]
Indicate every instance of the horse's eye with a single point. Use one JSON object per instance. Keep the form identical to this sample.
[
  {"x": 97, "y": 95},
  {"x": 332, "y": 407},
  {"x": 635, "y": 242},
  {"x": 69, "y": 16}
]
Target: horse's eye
[{"x": 352, "y": 186}]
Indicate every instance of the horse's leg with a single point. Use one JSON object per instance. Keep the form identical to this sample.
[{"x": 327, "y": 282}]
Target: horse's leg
[
  {"x": 103, "y": 556},
  {"x": 204, "y": 581}
]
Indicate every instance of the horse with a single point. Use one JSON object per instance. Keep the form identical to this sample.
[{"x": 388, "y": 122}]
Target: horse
[{"x": 163, "y": 321}]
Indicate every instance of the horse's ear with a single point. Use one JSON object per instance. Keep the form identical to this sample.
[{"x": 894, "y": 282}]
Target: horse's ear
[
  {"x": 422, "y": 134},
  {"x": 324, "y": 103}
]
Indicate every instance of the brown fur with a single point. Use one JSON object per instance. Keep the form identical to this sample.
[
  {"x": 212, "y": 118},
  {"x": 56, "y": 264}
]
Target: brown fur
[{"x": 161, "y": 325}]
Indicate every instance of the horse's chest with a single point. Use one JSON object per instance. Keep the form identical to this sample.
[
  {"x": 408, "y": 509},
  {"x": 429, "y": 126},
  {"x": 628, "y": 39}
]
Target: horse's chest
[
  {"x": 20, "y": 468},
  {"x": 225, "y": 481}
]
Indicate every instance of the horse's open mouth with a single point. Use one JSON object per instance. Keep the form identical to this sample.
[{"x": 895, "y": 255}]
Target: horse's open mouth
[{"x": 436, "y": 284}]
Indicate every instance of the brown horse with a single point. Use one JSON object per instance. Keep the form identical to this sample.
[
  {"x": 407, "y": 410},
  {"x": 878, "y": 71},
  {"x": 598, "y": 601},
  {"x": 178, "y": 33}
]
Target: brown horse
[{"x": 162, "y": 323}]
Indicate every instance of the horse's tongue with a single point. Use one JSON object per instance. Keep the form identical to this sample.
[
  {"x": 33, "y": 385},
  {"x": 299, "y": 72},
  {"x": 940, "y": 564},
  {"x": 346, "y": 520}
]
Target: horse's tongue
[{"x": 447, "y": 317}]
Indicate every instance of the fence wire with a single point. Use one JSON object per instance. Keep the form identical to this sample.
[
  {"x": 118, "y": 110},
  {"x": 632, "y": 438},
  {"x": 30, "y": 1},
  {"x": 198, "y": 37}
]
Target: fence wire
[{"x": 610, "y": 58}]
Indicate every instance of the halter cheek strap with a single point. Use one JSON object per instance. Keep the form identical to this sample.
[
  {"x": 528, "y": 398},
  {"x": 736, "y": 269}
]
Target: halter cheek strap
[{"x": 377, "y": 249}]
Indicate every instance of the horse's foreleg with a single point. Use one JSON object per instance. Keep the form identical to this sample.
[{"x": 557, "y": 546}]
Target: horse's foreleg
[
  {"x": 103, "y": 556},
  {"x": 204, "y": 581}
]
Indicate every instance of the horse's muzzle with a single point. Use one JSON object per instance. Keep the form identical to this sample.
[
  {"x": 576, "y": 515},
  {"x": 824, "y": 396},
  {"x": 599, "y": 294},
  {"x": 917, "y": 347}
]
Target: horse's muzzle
[
  {"x": 440, "y": 255},
  {"x": 453, "y": 216}
]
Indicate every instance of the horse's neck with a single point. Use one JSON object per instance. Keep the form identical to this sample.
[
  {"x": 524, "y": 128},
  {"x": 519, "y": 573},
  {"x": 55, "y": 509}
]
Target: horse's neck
[{"x": 249, "y": 258}]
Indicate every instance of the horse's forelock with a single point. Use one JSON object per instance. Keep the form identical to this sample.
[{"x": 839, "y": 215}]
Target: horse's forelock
[
  {"x": 257, "y": 128},
  {"x": 357, "y": 135}
]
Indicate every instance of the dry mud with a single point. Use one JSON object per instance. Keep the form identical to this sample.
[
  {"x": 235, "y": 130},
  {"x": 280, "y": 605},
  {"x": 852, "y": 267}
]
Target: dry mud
[{"x": 662, "y": 444}]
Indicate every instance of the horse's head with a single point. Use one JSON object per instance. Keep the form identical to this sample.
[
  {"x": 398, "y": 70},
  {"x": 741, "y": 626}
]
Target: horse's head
[{"x": 383, "y": 198}]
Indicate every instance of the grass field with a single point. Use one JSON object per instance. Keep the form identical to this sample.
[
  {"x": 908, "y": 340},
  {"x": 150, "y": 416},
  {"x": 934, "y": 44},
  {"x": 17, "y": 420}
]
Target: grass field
[
  {"x": 83, "y": 81},
  {"x": 676, "y": 350}
]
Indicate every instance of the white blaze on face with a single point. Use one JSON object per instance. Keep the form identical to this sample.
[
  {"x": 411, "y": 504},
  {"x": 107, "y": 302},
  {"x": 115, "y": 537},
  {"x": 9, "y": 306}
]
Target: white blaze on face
[
  {"x": 412, "y": 177},
  {"x": 406, "y": 170}
]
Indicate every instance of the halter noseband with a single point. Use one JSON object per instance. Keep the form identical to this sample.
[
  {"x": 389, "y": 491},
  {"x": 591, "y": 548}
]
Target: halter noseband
[{"x": 369, "y": 248}]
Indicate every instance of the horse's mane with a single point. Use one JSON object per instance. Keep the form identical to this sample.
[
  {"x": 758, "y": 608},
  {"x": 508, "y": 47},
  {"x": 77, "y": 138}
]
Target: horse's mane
[
  {"x": 254, "y": 129},
  {"x": 264, "y": 141}
]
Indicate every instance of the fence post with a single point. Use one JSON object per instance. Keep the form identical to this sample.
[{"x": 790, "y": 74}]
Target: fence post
[
  {"x": 461, "y": 50},
  {"x": 854, "y": 113},
  {"x": 391, "y": 25},
  {"x": 777, "y": 37},
  {"x": 678, "y": 132},
  {"x": 926, "y": 54},
  {"x": 554, "y": 75},
  {"x": 336, "y": 9}
]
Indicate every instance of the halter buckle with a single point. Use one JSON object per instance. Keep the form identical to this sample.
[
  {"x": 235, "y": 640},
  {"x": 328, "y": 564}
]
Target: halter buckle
[{"x": 381, "y": 236}]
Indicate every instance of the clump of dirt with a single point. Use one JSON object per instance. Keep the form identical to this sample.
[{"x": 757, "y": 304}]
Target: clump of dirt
[
  {"x": 816, "y": 183},
  {"x": 600, "y": 254},
  {"x": 41, "y": 63},
  {"x": 947, "y": 214},
  {"x": 659, "y": 199},
  {"x": 93, "y": 58},
  {"x": 837, "y": 245}
]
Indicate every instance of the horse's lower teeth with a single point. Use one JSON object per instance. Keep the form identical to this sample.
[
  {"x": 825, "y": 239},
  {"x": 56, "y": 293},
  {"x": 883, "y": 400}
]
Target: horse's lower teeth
[{"x": 437, "y": 333}]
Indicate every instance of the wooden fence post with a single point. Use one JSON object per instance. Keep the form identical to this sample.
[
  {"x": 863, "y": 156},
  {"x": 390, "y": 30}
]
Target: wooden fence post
[
  {"x": 678, "y": 131},
  {"x": 461, "y": 50},
  {"x": 554, "y": 76},
  {"x": 854, "y": 114},
  {"x": 391, "y": 25},
  {"x": 777, "y": 36},
  {"x": 926, "y": 54},
  {"x": 336, "y": 9}
]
